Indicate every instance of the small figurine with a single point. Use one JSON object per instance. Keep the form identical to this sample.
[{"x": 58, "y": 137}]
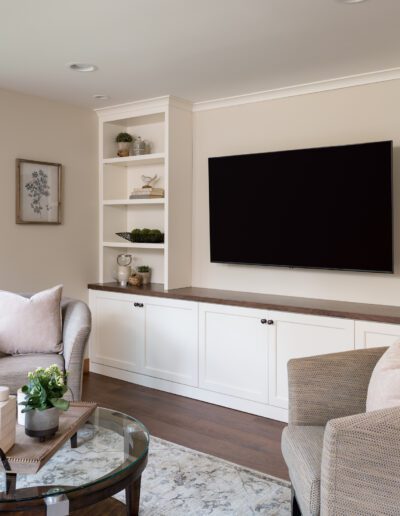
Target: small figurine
[{"x": 148, "y": 180}]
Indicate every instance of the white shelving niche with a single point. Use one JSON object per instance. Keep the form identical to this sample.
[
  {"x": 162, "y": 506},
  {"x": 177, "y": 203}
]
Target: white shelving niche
[{"x": 166, "y": 124}]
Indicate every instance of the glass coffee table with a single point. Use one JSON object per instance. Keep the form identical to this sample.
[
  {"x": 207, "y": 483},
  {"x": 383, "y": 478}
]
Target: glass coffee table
[{"x": 108, "y": 456}]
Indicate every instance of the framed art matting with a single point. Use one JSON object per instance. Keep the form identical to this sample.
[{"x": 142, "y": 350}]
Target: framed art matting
[{"x": 38, "y": 192}]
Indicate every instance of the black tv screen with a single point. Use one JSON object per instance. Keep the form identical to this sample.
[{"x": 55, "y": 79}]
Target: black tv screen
[{"x": 325, "y": 208}]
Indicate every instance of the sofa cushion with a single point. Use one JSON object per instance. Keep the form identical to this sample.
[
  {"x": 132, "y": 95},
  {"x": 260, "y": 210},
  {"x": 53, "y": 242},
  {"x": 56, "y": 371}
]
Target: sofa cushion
[
  {"x": 384, "y": 385},
  {"x": 14, "y": 369},
  {"x": 31, "y": 325},
  {"x": 302, "y": 451}
]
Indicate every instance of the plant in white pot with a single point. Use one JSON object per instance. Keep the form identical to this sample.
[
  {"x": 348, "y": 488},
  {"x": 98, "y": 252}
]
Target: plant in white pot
[
  {"x": 124, "y": 141},
  {"x": 44, "y": 400}
]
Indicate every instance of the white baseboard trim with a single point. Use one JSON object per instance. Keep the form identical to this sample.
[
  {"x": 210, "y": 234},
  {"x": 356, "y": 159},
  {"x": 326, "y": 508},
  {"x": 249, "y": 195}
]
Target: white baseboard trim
[{"x": 252, "y": 407}]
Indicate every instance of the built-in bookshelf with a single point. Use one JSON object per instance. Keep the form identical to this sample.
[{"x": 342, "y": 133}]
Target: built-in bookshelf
[{"x": 165, "y": 124}]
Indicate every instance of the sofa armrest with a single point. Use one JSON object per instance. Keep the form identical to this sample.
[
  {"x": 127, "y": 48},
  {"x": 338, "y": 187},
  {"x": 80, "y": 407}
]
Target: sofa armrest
[
  {"x": 76, "y": 329},
  {"x": 361, "y": 464},
  {"x": 325, "y": 387}
]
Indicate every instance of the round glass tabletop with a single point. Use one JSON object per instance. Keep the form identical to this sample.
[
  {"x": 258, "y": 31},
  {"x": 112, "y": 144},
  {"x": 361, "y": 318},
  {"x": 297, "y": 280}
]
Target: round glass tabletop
[{"x": 109, "y": 445}]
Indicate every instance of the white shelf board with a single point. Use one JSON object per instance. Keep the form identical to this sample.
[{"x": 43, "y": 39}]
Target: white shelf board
[
  {"x": 145, "y": 159},
  {"x": 128, "y": 202},
  {"x": 133, "y": 245}
]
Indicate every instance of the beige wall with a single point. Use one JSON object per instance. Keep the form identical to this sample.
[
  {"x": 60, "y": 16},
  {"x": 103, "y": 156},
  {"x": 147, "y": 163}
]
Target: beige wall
[
  {"x": 352, "y": 115},
  {"x": 36, "y": 257}
]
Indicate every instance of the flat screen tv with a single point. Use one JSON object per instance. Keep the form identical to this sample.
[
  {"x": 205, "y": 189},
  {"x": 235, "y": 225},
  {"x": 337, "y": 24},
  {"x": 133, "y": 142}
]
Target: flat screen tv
[{"x": 322, "y": 208}]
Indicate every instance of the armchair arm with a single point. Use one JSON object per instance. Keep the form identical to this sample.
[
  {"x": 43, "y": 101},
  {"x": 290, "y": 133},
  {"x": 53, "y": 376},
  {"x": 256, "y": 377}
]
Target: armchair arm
[
  {"x": 325, "y": 387},
  {"x": 76, "y": 329},
  {"x": 361, "y": 464}
]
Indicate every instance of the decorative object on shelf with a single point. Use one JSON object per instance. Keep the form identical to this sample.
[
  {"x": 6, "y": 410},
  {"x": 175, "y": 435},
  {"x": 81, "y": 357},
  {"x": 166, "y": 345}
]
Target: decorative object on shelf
[
  {"x": 43, "y": 401},
  {"x": 148, "y": 180},
  {"x": 124, "y": 268},
  {"x": 145, "y": 236},
  {"x": 135, "y": 280},
  {"x": 124, "y": 141},
  {"x": 147, "y": 191},
  {"x": 8, "y": 419},
  {"x": 139, "y": 147},
  {"x": 150, "y": 236},
  {"x": 20, "y": 414},
  {"x": 145, "y": 272},
  {"x": 38, "y": 188}
]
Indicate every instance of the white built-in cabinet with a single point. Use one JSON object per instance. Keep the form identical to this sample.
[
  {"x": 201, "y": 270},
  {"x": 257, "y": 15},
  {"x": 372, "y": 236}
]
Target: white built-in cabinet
[
  {"x": 228, "y": 355},
  {"x": 297, "y": 335},
  {"x": 152, "y": 336},
  {"x": 233, "y": 351},
  {"x": 373, "y": 334}
]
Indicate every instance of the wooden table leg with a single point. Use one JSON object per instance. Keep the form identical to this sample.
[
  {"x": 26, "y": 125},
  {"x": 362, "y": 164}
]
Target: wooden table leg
[{"x": 132, "y": 493}]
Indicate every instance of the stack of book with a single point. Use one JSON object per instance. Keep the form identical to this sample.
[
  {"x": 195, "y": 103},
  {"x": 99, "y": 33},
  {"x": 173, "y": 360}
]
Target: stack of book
[{"x": 147, "y": 193}]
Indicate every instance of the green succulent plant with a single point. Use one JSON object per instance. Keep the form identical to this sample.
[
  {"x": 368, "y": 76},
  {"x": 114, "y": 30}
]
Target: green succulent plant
[
  {"x": 143, "y": 268},
  {"x": 124, "y": 137}
]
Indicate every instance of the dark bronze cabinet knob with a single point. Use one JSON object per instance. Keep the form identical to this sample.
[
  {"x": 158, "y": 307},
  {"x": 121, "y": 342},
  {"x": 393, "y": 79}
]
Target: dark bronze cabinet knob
[
  {"x": 263, "y": 321},
  {"x": 270, "y": 321}
]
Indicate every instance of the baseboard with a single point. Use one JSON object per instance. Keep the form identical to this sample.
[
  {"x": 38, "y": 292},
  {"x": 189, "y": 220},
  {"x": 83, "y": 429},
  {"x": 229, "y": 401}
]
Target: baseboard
[
  {"x": 252, "y": 407},
  {"x": 86, "y": 365}
]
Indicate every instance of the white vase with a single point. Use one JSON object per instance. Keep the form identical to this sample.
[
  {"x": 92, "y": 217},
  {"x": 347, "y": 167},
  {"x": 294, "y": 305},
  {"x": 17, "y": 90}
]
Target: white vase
[
  {"x": 123, "y": 273},
  {"x": 20, "y": 397}
]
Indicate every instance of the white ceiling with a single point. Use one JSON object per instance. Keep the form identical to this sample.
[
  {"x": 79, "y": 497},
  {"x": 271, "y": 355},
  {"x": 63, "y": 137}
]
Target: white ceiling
[{"x": 194, "y": 49}]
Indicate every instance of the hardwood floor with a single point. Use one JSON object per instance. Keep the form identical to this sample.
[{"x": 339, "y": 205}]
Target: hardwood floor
[{"x": 239, "y": 437}]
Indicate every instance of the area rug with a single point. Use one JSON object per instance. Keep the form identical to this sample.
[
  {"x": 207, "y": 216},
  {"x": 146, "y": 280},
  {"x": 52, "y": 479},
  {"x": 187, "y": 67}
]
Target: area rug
[{"x": 178, "y": 481}]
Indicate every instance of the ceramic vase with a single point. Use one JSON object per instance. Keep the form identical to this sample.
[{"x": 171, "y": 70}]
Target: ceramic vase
[{"x": 42, "y": 423}]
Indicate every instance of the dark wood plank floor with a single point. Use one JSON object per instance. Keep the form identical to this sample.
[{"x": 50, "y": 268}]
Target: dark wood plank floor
[{"x": 239, "y": 437}]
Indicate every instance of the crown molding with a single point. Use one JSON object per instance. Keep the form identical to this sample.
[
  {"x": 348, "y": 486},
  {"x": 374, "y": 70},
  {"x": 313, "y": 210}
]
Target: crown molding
[
  {"x": 142, "y": 107},
  {"x": 300, "y": 89}
]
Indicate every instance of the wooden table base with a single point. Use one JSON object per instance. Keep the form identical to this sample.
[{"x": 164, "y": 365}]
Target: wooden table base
[{"x": 109, "y": 507}]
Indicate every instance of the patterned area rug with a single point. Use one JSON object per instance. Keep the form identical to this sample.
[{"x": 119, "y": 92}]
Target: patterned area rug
[{"x": 177, "y": 481}]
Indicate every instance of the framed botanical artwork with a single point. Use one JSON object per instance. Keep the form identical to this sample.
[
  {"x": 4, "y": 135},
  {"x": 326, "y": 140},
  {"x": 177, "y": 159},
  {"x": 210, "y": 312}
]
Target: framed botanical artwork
[{"x": 38, "y": 190}]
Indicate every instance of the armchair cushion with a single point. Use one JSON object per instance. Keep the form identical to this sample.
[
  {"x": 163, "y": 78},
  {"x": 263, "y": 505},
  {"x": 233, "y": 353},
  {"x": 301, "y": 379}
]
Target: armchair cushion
[
  {"x": 302, "y": 451},
  {"x": 384, "y": 386},
  {"x": 31, "y": 325},
  {"x": 361, "y": 464}
]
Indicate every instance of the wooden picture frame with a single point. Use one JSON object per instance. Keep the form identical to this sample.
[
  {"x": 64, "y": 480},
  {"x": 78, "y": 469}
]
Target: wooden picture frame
[{"x": 38, "y": 192}]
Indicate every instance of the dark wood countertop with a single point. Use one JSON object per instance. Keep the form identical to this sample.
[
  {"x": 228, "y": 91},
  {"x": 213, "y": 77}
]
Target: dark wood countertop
[{"x": 359, "y": 311}]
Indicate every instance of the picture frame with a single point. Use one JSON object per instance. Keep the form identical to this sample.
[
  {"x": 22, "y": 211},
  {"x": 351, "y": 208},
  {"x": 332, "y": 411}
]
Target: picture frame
[{"x": 38, "y": 192}]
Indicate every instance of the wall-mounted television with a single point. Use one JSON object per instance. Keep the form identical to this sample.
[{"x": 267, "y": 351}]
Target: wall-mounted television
[{"x": 322, "y": 208}]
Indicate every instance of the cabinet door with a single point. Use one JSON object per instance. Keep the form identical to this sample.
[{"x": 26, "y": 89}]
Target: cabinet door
[
  {"x": 376, "y": 335},
  {"x": 118, "y": 339},
  {"x": 171, "y": 343},
  {"x": 233, "y": 351},
  {"x": 294, "y": 336}
]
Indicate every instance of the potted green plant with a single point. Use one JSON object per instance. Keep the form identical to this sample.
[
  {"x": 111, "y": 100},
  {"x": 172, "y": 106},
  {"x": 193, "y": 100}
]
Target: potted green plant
[
  {"x": 145, "y": 272},
  {"x": 43, "y": 400},
  {"x": 124, "y": 141}
]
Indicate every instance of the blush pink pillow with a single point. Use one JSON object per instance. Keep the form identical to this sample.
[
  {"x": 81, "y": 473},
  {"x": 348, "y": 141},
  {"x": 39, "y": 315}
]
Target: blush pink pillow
[
  {"x": 384, "y": 386},
  {"x": 31, "y": 325}
]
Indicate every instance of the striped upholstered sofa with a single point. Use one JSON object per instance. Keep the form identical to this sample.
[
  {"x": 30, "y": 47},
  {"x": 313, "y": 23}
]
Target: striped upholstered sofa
[
  {"x": 342, "y": 461},
  {"x": 76, "y": 321}
]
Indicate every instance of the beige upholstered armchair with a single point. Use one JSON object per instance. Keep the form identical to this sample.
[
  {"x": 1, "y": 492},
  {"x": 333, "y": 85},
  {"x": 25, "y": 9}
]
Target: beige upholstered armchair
[
  {"x": 341, "y": 460},
  {"x": 76, "y": 322}
]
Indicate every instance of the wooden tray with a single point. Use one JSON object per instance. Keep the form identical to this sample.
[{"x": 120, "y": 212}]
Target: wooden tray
[{"x": 28, "y": 455}]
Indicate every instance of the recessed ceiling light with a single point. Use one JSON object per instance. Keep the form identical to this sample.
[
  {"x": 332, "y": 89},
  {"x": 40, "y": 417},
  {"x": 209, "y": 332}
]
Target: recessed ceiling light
[
  {"x": 82, "y": 67},
  {"x": 101, "y": 97},
  {"x": 350, "y": 1}
]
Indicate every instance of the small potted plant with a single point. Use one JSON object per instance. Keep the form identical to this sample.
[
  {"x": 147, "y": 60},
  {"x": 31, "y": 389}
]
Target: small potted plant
[
  {"x": 124, "y": 141},
  {"x": 145, "y": 272},
  {"x": 43, "y": 400}
]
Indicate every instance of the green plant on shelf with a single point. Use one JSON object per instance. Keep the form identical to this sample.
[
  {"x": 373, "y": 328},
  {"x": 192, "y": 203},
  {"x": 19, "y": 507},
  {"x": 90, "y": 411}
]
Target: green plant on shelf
[
  {"x": 124, "y": 137},
  {"x": 147, "y": 236},
  {"x": 143, "y": 268}
]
